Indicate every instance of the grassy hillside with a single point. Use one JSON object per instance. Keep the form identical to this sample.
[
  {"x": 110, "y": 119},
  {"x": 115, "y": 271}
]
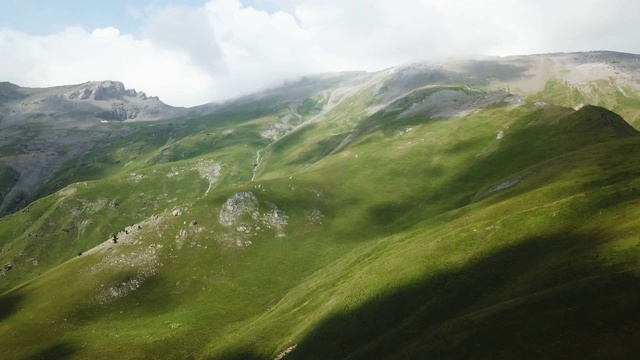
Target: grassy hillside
[
  {"x": 619, "y": 98},
  {"x": 316, "y": 230}
]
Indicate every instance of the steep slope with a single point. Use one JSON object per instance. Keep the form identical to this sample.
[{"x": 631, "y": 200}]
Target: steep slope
[{"x": 400, "y": 214}]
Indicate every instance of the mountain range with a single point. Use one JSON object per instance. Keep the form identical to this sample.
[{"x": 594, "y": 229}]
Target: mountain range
[{"x": 480, "y": 208}]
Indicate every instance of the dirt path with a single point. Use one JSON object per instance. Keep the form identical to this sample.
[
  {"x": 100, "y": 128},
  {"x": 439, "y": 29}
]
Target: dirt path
[
  {"x": 257, "y": 163},
  {"x": 294, "y": 112}
]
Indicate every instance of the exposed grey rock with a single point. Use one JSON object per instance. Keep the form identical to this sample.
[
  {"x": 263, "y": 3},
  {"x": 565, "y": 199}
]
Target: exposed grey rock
[
  {"x": 236, "y": 206},
  {"x": 275, "y": 131},
  {"x": 449, "y": 103},
  {"x": 275, "y": 219},
  {"x": 505, "y": 185},
  {"x": 246, "y": 203},
  {"x": 314, "y": 217},
  {"x": 209, "y": 170}
]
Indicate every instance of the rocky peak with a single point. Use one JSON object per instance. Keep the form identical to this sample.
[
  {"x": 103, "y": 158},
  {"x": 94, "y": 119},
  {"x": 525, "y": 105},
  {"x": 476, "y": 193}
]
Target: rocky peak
[
  {"x": 104, "y": 91},
  {"x": 90, "y": 101}
]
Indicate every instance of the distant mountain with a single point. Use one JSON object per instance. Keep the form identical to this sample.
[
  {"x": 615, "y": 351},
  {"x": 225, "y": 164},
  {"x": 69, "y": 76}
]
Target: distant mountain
[{"x": 81, "y": 104}]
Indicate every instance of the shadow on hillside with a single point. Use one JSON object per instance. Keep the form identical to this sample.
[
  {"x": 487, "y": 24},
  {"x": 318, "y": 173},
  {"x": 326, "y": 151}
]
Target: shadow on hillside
[
  {"x": 482, "y": 72},
  {"x": 9, "y": 305},
  {"x": 244, "y": 354},
  {"x": 60, "y": 351},
  {"x": 524, "y": 149},
  {"x": 152, "y": 292},
  {"x": 546, "y": 297}
]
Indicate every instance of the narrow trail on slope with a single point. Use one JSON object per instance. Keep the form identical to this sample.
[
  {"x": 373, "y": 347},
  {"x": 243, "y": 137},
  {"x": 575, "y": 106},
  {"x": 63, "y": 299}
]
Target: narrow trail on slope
[
  {"x": 326, "y": 109},
  {"x": 257, "y": 163},
  {"x": 302, "y": 124}
]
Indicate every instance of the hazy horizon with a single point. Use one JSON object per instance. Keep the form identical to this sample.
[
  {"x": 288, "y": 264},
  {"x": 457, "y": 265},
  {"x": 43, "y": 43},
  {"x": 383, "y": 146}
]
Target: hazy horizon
[{"x": 194, "y": 52}]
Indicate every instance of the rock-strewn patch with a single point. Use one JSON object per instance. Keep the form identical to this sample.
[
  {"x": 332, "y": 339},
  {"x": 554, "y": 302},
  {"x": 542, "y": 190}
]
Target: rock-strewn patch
[
  {"x": 145, "y": 262},
  {"x": 209, "y": 170},
  {"x": 243, "y": 216},
  {"x": 236, "y": 206}
]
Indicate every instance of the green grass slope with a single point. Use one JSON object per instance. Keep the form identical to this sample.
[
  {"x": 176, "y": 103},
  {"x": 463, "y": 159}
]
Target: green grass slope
[
  {"x": 508, "y": 232},
  {"x": 607, "y": 93}
]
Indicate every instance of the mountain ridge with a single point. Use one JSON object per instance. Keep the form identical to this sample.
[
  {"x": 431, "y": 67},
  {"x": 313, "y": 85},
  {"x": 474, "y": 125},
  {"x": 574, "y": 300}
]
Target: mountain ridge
[{"x": 99, "y": 100}]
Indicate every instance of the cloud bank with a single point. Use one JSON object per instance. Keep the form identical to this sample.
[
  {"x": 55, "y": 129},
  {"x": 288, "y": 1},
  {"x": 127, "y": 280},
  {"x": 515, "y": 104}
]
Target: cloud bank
[{"x": 226, "y": 48}]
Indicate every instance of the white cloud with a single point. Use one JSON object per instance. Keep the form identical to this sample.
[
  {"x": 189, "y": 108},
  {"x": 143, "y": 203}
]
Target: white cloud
[
  {"x": 193, "y": 55},
  {"x": 75, "y": 56},
  {"x": 186, "y": 30}
]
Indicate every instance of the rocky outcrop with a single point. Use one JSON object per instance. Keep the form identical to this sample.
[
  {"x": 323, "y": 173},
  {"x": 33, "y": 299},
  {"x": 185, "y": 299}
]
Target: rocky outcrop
[
  {"x": 118, "y": 114},
  {"x": 244, "y": 218},
  {"x": 236, "y": 206}
]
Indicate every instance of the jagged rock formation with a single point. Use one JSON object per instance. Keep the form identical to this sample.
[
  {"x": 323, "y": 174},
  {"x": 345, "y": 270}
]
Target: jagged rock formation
[
  {"x": 106, "y": 90},
  {"x": 82, "y": 103}
]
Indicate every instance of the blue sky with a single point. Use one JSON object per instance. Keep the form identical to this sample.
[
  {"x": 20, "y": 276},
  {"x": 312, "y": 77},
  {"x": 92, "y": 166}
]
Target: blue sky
[
  {"x": 190, "y": 52},
  {"x": 41, "y": 17}
]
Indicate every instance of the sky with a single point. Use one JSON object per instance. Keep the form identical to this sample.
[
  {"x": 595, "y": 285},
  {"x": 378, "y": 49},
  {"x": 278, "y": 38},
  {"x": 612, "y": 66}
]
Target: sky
[{"x": 193, "y": 52}]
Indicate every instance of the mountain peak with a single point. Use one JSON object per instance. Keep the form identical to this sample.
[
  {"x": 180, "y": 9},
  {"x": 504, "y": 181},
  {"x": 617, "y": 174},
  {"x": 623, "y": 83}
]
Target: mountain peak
[
  {"x": 106, "y": 100},
  {"x": 596, "y": 116},
  {"x": 104, "y": 91}
]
